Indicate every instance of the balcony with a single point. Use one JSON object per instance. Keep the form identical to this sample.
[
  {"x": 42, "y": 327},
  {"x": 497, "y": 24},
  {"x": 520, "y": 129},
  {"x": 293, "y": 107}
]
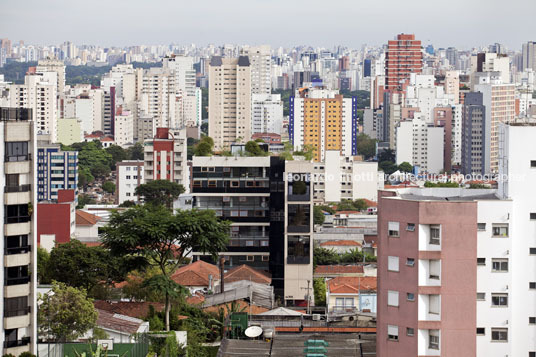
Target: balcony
[
  {"x": 14, "y": 260},
  {"x": 17, "y": 219},
  {"x": 18, "y": 167},
  {"x": 16, "y": 229},
  {"x": 17, "y": 290},
  {"x": 22, "y": 319},
  {"x": 17, "y": 281},
  {"x": 17, "y": 343},
  {"x": 18, "y": 250},
  {"x": 17, "y": 197},
  {"x": 19, "y": 188},
  {"x": 295, "y": 259}
]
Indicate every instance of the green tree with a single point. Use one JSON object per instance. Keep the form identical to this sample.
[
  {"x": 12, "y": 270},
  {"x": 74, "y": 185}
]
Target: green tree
[
  {"x": 78, "y": 265},
  {"x": 323, "y": 256},
  {"x": 100, "y": 170},
  {"x": 159, "y": 192},
  {"x": 328, "y": 209},
  {"x": 441, "y": 184},
  {"x": 253, "y": 149},
  {"x": 319, "y": 288},
  {"x": 204, "y": 147},
  {"x": 66, "y": 314},
  {"x": 318, "y": 215},
  {"x": 42, "y": 266},
  {"x": 308, "y": 152},
  {"x": 135, "y": 152},
  {"x": 388, "y": 167},
  {"x": 109, "y": 187},
  {"x": 366, "y": 146},
  {"x": 83, "y": 200},
  {"x": 127, "y": 204},
  {"x": 387, "y": 155},
  {"x": 151, "y": 235},
  {"x": 118, "y": 154},
  {"x": 85, "y": 177},
  {"x": 405, "y": 167}
]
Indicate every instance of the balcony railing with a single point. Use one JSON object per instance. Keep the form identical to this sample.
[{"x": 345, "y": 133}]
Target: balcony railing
[
  {"x": 17, "y": 281},
  {"x": 17, "y": 343},
  {"x": 17, "y": 219},
  {"x": 294, "y": 259},
  {"x": 16, "y": 158},
  {"x": 18, "y": 250},
  {"x": 19, "y": 312},
  {"x": 19, "y": 188}
]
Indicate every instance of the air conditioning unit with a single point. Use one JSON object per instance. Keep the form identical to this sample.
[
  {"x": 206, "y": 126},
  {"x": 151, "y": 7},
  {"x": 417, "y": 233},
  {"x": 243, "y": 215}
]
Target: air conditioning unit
[{"x": 316, "y": 317}]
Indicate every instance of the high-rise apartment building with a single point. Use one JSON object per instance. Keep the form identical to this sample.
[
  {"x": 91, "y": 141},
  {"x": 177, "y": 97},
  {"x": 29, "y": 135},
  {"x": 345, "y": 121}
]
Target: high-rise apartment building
[
  {"x": 267, "y": 114},
  {"x": 403, "y": 57},
  {"x": 129, "y": 175},
  {"x": 56, "y": 170},
  {"x": 476, "y": 136},
  {"x": 529, "y": 55},
  {"x": 40, "y": 95},
  {"x": 457, "y": 267},
  {"x": 490, "y": 62},
  {"x": 165, "y": 157},
  {"x": 270, "y": 204},
  {"x": 158, "y": 98},
  {"x": 53, "y": 65},
  {"x": 18, "y": 326},
  {"x": 324, "y": 120},
  {"x": 229, "y": 114},
  {"x": 261, "y": 66}
]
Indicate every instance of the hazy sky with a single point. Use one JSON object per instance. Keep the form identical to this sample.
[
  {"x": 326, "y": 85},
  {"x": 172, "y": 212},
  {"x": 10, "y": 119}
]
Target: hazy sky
[{"x": 461, "y": 23}]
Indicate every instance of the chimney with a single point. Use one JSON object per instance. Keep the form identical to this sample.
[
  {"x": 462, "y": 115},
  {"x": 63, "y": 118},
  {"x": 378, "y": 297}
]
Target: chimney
[{"x": 222, "y": 263}]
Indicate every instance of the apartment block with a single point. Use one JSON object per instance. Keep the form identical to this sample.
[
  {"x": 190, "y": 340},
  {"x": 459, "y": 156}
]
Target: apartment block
[
  {"x": 403, "y": 57},
  {"x": 269, "y": 202},
  {"x": 129, "y": 175},
  {"x": 56, "y": 170},
  {"x": 229, "y": 113},
  {"x": 267, "y": 114},
  {"x": 165, "y": 157},
  {"x": 18, "y": 326},
  {"x": 324, "y": 120}
]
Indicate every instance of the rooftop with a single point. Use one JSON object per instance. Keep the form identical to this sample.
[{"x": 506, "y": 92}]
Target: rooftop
[
  {"x": 196, "y": 274},
  {"x": 445, "y": 194}
]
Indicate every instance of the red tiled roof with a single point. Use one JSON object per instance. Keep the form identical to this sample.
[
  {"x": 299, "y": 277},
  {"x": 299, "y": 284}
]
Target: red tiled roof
[
  {"x": 139, "y": 310},
  {"x": 242, "y": 306},
  {"x": 352, "y": 284},
  {"x": 196, "y": 274},
  {"x": 195, "y": 299},
  {"x": 341, "y": 243},
  {"x": 86, "y": 219},
  {"x": 348, "y": 212},
  {"x": 370, "y": 203},
  {"x": 244, "y": 272},
  {"x": 339, "y": 269}
]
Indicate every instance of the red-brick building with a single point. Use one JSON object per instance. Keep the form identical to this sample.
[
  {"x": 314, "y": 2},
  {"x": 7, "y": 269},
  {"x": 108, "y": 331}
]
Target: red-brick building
[
  {"x": 56, "y": 220},
  {"x": 403, "y": 57}
]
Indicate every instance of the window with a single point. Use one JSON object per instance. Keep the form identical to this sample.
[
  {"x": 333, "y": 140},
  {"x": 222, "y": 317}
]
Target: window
[
  {"x": 197, "y": 183},
  {"x": 410, "y": 262},
  {"x": 16, "y": 275},
  {"x": 392, "y": 264},
  {"x": 500, "y": 230},
  {"x": 299, "y": 218},
  {"x": 500, "y": 300},
  {"x": 235, "y": 184},
  {"x": 532, "y": 354},
  {"x": 393, "y": 229},
  {"x": 435, "y": 234},
  {"x": 532, "y": 163},
  {"x": 265, "y": 258},
  {"x": 499, "y": 265},
  {"x": 410, "y": 227},
  {"x": 532, "y": 285},
  {"x": 532, "y": 251},
  {"x": 533, "y": 216},
  {"x": 532, "y": 320},
  {"x": 128, "y": 177},
  {"x": 410, "y": 296},
  {"x": 481, "y": 226},
  {"x": 480, "y": 261},
  {"x": 481, "y": 296},
  {"x": 17, "y": 213},
  {"x": 298, "y": 249},
  {"x": 434, "y": 304},
  {"x": 480, "y": 331},
  {"x": 299, "y": 187},
  {"x": 250, "y": 258},
  {"x": 212, "y": 183},
  {"x": 16, "y": 306},
  {"x": 410, "y": 331},
  {"x": 435, "y": 268},
  {"x": 392, "y": 298},
  {"x": 499, "y": 334},
  {"x": 433, "y": 342},
  {"x": 17, "y": 151},
  {"x": 392, "y": 332},
  {"x": 16, "y": 244}
]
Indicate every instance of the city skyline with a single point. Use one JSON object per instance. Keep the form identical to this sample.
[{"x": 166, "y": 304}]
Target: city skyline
[{"x": 281, "y": 24}]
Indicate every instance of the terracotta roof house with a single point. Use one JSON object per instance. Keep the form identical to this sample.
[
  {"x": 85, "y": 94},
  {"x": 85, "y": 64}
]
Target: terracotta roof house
[
  {"x": 350, "y": 294},
  {"x": 333, "y": 271},
  {"x": 245, "y": 272},
  {"x": 341, "y": 245},
  {"x": 87, "y": 229},
  {"x": 120, "y": 328},
  {"x": 199, "y": 275},
  {"x": 136, "y": 309}
]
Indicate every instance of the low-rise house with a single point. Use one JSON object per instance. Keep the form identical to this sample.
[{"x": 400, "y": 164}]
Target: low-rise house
[
  {"x": 341, "y": 246},
  {"x": 120, "y": 328},
  {"x": 198, "y": 276},
  {"x": 334, "y": 271},
  {"x": 350, "y": 294},
  {"x": 87, "y": 227},
  {"x": 245, "y": 272}
]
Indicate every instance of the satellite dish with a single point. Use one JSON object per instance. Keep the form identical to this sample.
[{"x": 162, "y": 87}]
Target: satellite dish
[{"x": 253, "y": 331}]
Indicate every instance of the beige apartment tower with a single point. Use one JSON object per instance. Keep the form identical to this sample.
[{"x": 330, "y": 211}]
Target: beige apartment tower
[{"x": 229, "y": 113}]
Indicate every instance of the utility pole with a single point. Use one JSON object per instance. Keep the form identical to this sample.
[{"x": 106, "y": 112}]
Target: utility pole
[{"x": 308, "y": 297}]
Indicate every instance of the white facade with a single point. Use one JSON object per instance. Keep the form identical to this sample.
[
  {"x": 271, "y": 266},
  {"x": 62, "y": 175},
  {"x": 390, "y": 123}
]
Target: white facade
[
  {"x": 158, "y": 98},
  {"x": 130, "y": 174},
  {"x": 260, "y": 69},
  {"x": 124, "y": 128},
  {"x": 339, "y": 178},
  {"x": 266, "y": 113}
]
